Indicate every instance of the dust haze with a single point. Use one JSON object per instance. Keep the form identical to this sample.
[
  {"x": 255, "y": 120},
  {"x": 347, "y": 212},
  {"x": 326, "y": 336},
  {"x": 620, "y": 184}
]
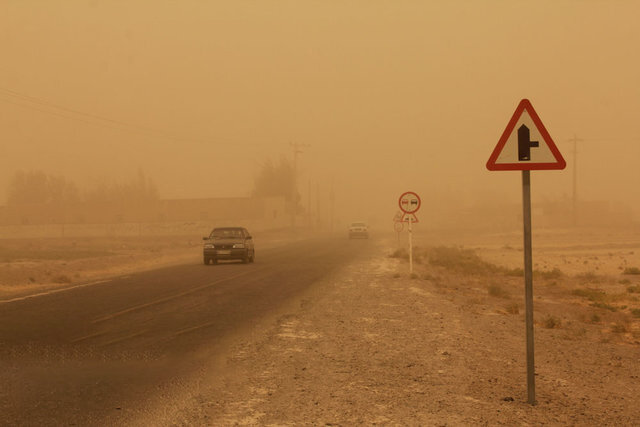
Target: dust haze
[
  {"x": 385, "y": 97},
  {"x": 130, "y": 129}
]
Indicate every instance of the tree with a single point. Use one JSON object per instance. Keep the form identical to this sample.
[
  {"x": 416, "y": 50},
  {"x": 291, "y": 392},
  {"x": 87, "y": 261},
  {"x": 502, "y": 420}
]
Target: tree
[
  {"x": 37, "y": 187},
  {"x": 276, "y": 179},
  {"x": 138, "y": 190}
]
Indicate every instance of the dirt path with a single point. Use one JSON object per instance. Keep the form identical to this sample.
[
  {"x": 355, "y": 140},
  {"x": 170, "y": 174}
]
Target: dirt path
[{"x": 375, "y": 346}]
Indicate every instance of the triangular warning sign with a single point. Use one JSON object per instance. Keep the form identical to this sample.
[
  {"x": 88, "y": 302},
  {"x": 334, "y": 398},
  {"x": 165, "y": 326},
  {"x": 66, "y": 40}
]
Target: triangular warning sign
[
  {"x": 409, "y": 216},
  {"x": 525, "y": 144}
]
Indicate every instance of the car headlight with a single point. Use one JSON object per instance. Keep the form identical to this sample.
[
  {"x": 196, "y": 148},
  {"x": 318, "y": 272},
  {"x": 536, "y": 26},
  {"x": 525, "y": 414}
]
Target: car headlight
[
  {"x": 238, "y": 245},
  {"x": 209, "y": 245}
]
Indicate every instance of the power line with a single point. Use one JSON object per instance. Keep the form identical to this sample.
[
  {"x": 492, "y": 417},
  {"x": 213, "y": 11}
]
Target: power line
[{"x": 47, "y": 107}]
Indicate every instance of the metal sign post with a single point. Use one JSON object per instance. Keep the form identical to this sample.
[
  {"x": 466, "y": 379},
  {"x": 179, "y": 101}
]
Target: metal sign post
[
  {"x": 526, "y": 145},
  {"x": 409, "y": 203},
  {"x": 528, "y": 285},
  {"x": 410, "y": 247}
]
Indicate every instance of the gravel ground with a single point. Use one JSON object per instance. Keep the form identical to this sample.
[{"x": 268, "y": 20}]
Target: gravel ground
[{"x": 372, "y": 345}]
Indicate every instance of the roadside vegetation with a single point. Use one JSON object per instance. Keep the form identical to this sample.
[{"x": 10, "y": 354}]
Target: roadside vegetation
[{"x": 575, "y": 301}]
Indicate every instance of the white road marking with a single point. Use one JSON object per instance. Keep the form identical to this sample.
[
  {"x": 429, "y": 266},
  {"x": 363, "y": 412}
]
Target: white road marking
[
  {"x": 169, "y": 298},
  {"x": 53, "y": 291}
]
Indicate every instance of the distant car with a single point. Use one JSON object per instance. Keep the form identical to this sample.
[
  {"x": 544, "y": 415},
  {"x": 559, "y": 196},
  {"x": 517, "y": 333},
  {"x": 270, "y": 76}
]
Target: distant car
[
  {"x": 228, "y": 243},
  {"x": 358, "y": 229}
]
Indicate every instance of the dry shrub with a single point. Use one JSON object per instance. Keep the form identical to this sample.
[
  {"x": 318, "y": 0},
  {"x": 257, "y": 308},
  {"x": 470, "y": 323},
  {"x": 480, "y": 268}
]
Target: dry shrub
[
  {"x": 631, "y": 270},
  {"x": 619, "y": 328},
  {"x": 591, "y": 277},
  {"x": 400, "y": 253},
  {"x": 461, "y": 260},
  {"x": 551, "y": 322},
  {"x": 556, "y": 273},
  {"x": 513, "y": 308},
  {"x": 62, "y": 278},
  {"x": 497, "y": 291}
]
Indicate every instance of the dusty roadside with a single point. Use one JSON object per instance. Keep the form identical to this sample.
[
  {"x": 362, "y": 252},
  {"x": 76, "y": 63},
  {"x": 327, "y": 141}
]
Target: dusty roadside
[
  {"x": 372, "y": 345},
  {"x": 30, "y": 266}
]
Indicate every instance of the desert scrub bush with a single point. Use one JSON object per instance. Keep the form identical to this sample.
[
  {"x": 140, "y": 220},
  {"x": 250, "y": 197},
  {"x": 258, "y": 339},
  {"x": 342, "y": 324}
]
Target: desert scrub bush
[
  {"x": 513, "y": 308},
  {"x": 604, "y": 305},
  {"x": 400, "y": 253},
  {"x": 633, "y": 289},
  {"x": 551, "y": 322},
  {"x": 595, "y": 318},
  {"x": 619, "y": 328},
  {"x": 631, "y": 270},
  {"x": 635, "y": 312},
  {"x": 590, "y": 277},
  {"x": 461, "y": 260},
  {"x": 514, "y": 272},
  {"x": 556, "y": 273},
  {"x": 599, "y": 298},
  {"x": 413, "y": 276},
  {"x": 590, "y": 294},
  {"x": 624, "y": 282},
  {"x": 497, "y": 291},
  {"x": 62, "y": 278}
]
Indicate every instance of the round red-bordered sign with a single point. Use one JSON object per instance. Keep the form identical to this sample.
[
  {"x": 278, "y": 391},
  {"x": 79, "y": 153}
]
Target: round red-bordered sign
[{"x": 409, "y": 202}]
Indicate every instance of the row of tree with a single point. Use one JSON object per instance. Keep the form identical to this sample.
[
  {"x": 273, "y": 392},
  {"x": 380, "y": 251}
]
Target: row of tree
[
  {"x": 38, "y": 187},
  {"x": 274, "y": 179},
  {"x": 277, "y": 180}
]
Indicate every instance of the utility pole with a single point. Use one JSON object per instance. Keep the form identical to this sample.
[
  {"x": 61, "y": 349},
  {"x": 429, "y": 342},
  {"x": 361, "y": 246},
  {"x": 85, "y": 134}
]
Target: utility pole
[
  {"x": 309, "y": 205},
  {"x": 332, "y": 201},
  {"x": 575, "y": 140},
  {"x": 294, "y": 182}
]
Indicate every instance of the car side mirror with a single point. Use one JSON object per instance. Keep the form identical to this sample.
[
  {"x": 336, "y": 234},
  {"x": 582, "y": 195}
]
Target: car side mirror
[
  {"x": 205, "y": 238},
  {"x": 249, "y": 237}
]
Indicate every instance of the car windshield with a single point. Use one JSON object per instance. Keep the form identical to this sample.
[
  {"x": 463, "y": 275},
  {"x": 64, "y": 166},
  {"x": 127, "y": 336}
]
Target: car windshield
[{"x": 226, "y": 233}]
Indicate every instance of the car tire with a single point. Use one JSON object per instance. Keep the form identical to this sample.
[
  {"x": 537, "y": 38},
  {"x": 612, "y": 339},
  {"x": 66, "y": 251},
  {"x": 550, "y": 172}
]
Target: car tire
[
  {"x": 206, "y": 260},
  {"x": 214, "y": 261},
  {"x": 253, "y": 257}
]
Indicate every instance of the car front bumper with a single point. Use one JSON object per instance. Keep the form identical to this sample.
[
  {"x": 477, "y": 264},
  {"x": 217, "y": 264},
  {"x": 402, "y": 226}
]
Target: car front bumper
[
  {"x": 363, "y": 234},
  {"x": 239, "y": 253}
]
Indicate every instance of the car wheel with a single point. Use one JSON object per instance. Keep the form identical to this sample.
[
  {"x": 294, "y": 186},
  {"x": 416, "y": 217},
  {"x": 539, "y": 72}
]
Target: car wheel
[
  {"x": 206, "y": 260},
  {"x": 253, "y": 257},
  {"x": 214, "y": 260}
]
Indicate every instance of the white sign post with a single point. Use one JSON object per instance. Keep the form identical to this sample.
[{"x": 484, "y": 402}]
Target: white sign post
[
  {"x": 398, "y": 226},
  {"x": 528, "y": 148},
  {"x": 409, "y": 203}
]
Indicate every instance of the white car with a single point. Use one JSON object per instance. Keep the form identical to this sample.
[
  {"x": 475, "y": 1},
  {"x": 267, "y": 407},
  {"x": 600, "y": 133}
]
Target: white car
[{"x": 358, "y": 229}]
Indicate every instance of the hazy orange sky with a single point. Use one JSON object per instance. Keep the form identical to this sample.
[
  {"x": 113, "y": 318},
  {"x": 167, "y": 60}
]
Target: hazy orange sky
[{"x": 389, "y": 95}]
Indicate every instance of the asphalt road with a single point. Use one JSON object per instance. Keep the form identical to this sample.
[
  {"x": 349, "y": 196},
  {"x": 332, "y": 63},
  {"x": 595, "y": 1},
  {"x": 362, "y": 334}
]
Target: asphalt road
[{"x": 106, "y": 352}]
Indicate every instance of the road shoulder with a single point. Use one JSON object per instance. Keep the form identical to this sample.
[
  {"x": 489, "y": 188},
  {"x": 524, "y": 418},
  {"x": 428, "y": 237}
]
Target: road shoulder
[{"x": 373, "y": 345}]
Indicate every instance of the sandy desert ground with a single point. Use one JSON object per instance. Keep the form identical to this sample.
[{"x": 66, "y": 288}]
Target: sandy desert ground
[
  {"x": 445, "y": 346},
  {"x": 373, "y": 344}
]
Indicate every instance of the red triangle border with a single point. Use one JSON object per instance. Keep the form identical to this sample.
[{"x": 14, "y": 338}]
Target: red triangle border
[{"x": 560, "y": 163}]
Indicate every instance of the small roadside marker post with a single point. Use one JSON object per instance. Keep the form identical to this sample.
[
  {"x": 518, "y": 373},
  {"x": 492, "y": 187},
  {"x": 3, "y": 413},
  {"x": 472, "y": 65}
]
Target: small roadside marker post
[
  {"x": 514, "y": 152},
  {"x": 409, "y": 203},
  {"x": 398, "y": 226}
]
